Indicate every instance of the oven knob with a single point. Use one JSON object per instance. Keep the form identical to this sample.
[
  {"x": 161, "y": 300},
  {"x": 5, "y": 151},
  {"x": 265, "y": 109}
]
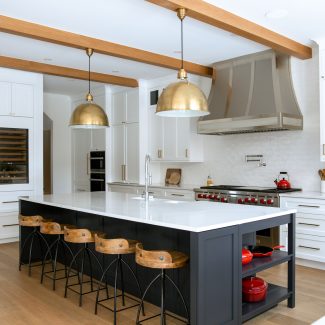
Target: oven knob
[
  {"x": 205, "y": 196},
  {"x": 253, "y": 200},
  {"x": 240, "y": 201},
  {"x": 247, "y": 200},
  {"x": 211, "y": 197},
  {"x": 200, "y": 196},
  {"x": 224, "y": 199},
  {"x": 262, "y": 201},
  {"x": 270, "y": 201},
  {"x": 217, "y": 198}
]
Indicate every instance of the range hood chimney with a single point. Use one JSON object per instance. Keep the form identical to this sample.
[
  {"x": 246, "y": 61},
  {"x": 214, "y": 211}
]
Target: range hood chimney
[{"x": 253, "y": 93}]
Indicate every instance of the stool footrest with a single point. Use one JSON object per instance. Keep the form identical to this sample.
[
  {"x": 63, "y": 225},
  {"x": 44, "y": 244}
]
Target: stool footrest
[
  {"x": 39, "y": 263},
  {"x": 78, "y": 284},
  {"x": 121, "y": 309},
  {"x": 166, "y": 314}
]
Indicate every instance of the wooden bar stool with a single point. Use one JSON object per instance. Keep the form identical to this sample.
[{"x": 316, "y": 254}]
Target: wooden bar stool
[
  {"x": 161, "y": 260},
  {"x": 84, "y": 237},
  {"x": 117, "y": 247},
  {"x": 32, "y": 222},
  {"x": 55, "y": 229}
]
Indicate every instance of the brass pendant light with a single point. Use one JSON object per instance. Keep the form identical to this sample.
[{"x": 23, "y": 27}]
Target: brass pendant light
[
  {"x": 182, "y": 98},
  {"x": 89, "y": 115}
]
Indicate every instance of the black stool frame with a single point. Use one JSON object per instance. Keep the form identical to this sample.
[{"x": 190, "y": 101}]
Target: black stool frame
[
  {"x": 84, "y": 250},
  {"x": 31, "y": 236},
  {"x": 65, "y": 247},
  {"x": 118, "y": 269},
  {"x": 163, "y": 277}
]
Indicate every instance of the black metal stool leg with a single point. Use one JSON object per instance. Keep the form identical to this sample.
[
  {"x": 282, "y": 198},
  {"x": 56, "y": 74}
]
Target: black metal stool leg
[
  {"x": 55, "y": 263},
  {"x": 30, "y": 254},
  {"x": 122, "y": 279},
  {"x": 40, "y": 239},
  {"x": 144, "y": 295},
  {"x": 44, "y": 259},
  {"x": 23, "y": 247},
  {"x": 82, "y": 274},
  {"x": 136, "y": 281},
  {"x": 74, "y": 258},
  {"x": 162, "y": 303},
  {"x": 115, "y": 290},
  {"x": 182, "y": 297},
  {"x": 90, "y": 267}
]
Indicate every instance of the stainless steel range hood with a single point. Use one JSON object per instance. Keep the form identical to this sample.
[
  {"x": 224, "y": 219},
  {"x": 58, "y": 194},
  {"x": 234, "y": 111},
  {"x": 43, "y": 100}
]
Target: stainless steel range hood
[{"x": 253, "y": 93}]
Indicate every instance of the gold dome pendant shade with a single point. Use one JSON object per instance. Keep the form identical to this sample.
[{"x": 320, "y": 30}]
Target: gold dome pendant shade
[
  {"x": 182, "y": 98},
  {"x": 89, "y": 115}
]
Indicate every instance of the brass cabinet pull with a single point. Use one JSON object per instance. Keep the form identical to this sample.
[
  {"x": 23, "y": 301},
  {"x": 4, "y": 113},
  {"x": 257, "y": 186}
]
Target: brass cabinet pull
[
  {"x": 308, "y": 224},
  {"x": 122, "y": 167},
  {"x": 6, "y": 202},
  {"x": 186, "y": 153},
  {"x": 12, "y": 225},
  {"x": 308, "y": 206},
  {"x": 88, "y": 163},
  {"x": 160, "y": 153},
  {"x": 308, "y": 247},
  {"x": 174, "y": 194},
  {"x": 323, "y": 149}
]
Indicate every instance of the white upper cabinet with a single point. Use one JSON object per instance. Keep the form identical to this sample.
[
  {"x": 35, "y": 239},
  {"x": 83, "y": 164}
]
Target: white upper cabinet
[
  {"x": 22, "y": 100},
  {"x": 322, "y": 101},
  {"x": 125, "y": 107},
  {"x": 172, "y": 139},
  {"x": 17, "y": 99},
  {"x": 132, "y": 152},
  {"x": 5, "y": 95}
]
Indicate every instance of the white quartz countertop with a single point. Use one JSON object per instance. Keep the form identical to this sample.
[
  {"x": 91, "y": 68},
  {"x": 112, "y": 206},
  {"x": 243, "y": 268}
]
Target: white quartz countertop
[
  {"x": 189, "y": 187},
  {"x": 305, "y": 195},
  {"x": 194, "y": 216}
]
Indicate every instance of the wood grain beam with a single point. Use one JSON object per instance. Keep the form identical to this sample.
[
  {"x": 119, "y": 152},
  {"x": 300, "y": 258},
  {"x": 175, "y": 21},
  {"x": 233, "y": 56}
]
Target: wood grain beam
[
  {"x": 52, "y": 35},
  {"x": 54, "y": 70},
  {"x": 232, "y": 23}
]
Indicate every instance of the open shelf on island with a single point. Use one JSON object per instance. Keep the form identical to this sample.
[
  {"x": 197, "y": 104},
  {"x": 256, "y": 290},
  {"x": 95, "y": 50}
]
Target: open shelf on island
[
  {"x": 259, "y": 264},
  {"x": 275, "y": 294}
]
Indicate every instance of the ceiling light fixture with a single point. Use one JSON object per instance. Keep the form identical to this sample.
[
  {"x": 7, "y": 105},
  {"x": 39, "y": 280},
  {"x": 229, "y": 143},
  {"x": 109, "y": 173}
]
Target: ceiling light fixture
[
  {"x": 89, "y": 115},
  {"x": 277, "y": 14},
  {"x": 182, "y": 98}
]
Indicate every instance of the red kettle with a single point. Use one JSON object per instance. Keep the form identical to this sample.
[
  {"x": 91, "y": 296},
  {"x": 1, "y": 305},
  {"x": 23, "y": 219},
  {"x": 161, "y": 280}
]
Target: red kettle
[{"x": 282, "y": 182}]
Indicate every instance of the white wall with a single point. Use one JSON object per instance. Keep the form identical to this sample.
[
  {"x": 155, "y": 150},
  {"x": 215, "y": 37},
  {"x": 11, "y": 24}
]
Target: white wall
[
  {"x": 58, "y": 109},
  {"x": 296, "y": 152}
]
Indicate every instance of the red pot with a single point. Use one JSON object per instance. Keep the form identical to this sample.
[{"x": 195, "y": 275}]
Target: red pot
[
  {"x": 246, "y": 256},
  {"x": 254, "y": 289}
]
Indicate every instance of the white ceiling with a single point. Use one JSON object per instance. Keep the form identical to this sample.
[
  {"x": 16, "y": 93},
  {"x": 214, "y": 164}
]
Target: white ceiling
[{"x": 140, "y": 24}]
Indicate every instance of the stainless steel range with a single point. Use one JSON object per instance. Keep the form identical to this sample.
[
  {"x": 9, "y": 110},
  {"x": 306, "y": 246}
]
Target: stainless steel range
[{"x": 251, "y": 195}]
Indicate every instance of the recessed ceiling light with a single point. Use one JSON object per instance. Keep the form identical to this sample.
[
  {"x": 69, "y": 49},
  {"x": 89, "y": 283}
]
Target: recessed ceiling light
[
  {"x": 277, "y": 14},
  {"x": 47, "y": 59}
]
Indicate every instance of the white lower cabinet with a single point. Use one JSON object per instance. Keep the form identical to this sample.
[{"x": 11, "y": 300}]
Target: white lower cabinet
[
  {"x": 9, "y": 210},
  {"x": 310, "y": 227}
]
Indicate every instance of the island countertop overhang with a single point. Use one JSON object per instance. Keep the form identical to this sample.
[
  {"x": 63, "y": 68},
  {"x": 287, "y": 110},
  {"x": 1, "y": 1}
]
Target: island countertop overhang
[{"x": 193, "y": 216}]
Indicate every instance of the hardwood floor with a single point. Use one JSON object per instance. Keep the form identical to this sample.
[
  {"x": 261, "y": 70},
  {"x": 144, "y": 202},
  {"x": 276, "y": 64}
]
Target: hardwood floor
[{"x": 24, "y": 301}]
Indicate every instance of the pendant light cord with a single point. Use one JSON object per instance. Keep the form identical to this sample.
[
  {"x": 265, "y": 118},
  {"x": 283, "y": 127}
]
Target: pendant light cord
[{"x": 182, "y": 44}]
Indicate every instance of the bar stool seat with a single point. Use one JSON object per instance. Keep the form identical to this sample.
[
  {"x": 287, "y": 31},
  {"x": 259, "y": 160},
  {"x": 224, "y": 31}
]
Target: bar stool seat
[
  {"x": 117, "y": 247},
  {"x": 55, "y": 229},
  {"x": 84, "y": 237},
  {"x": 163, "y": 260},
  {"x": 34, "y": 222}
]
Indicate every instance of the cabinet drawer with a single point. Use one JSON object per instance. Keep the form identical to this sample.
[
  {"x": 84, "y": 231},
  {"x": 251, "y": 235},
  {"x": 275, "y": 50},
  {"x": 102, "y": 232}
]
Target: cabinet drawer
[
  {"x": 8, "y": 219},
  {"x": 9, "y": 201},
  {"x": 311, "y": 206},
  {"x": 310, "y": 249},
  {"x": 310, "y": 224},
  {"x": 179, "y": 195},
  {"x": 9, "y": 231}
]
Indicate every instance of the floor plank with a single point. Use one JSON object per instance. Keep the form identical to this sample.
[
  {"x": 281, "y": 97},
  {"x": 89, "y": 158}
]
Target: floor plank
[{"x": 24, "y": 301}]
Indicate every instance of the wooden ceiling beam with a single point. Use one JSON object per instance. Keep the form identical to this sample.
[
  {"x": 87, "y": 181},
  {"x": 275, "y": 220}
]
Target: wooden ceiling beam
[
  {"x": 212, "y": 15},
  {"x": 56, "y": 36},
  {"x": 54, "y": 70}
]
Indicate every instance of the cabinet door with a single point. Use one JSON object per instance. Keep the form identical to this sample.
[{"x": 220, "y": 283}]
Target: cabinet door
[
  {"x": 170, "y": 138},
  {"x": 5, "y": 95},
  {"x": 118, "y": 150},
  {"x": 118, "y": 108},
  {"x": 155, "y": 134},
  {"x": 132, "y": 152},
  {"x": 183, "y": 132},
  {"x": 132, "y": 106},
  {"x": 22, "y": 100}
]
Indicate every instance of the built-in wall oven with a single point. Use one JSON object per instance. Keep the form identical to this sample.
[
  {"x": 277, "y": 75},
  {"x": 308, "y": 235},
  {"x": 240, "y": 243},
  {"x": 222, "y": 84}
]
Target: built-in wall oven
[{"x": 97, "y": 171}]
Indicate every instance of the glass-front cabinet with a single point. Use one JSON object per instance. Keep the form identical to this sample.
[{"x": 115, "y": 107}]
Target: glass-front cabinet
[{"x": 14, "y": 167}]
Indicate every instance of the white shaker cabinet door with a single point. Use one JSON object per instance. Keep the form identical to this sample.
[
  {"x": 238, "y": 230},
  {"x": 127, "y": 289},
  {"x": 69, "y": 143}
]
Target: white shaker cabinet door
[
  {"x": 22, "y": 100},
  {"x": 118, "y": 108},
  {"x": 156, "y": 143},
  {"x": 118, "y": 152},
  {"x": 132, "y": 152},
  {"x": 5, "y": 95},
  {"x": 170, "y": 140},
  {"x": 132, "y": 106},
  {"x": 183, "y": 138}
]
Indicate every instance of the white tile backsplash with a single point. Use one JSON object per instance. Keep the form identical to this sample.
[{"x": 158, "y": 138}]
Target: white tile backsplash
[{"x": 296, "y": 152}]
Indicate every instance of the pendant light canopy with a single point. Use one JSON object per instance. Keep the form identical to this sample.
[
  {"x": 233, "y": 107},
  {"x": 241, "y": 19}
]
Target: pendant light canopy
[
  {"x": 182, "y": 98},
  {"x": 89, "y": 115}
]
